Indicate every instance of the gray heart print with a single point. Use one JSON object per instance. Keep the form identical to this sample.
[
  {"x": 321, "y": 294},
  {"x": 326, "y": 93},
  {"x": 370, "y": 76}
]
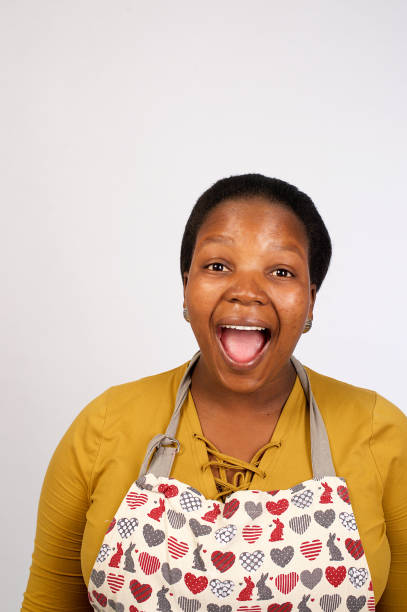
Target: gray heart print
[
  {"x": 253, "y": 510},
  {"x": 282, "y": 556},
  {"x": 354, "y": 604},
  {"x": 311, "y": 579},
  {"x": 98, "y": 578},
  {"x": 198, "y": 529},
  {"x": 329, "y": 603},
  {"x": 119, "y": 607},
  {"x": 152, "y": 536},
  {"x": 171, "y": 575},
  {"x": 188, "y": 605},
  {"x": 325, "y": 518}
]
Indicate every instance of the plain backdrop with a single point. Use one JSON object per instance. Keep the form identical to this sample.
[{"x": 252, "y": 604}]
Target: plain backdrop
[{"x": 115, "y": 116}]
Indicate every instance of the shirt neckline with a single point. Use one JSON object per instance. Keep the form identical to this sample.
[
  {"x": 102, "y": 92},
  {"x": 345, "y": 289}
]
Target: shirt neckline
[{"x": 295, "y": 401}]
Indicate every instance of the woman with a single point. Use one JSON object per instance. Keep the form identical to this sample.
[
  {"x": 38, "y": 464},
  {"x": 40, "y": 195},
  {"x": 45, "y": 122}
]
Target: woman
[{"x": 251, "y": 494}]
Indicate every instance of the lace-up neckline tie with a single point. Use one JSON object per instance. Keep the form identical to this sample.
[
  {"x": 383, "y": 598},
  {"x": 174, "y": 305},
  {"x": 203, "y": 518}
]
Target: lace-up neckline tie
[{"x": 244, "y": 471}]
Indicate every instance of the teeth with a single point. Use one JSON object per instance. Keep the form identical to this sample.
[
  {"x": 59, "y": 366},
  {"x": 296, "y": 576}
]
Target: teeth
[{"x": 244, "y": 327}]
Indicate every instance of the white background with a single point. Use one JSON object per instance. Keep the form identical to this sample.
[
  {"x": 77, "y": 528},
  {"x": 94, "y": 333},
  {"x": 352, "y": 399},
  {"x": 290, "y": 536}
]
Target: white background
[{"x": 115, "y": 116}]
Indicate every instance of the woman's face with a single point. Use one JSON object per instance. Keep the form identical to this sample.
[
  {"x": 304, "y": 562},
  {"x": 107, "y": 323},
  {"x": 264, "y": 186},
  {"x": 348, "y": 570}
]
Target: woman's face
[{"x": 248, "y": 291}]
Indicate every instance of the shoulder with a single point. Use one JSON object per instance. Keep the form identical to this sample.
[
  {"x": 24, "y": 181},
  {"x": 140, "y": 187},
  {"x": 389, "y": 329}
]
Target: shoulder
[
  {"x": 147, "y": 399},
  {"x": 340, "y": 401},
  {"x": 155, "y": 389}
]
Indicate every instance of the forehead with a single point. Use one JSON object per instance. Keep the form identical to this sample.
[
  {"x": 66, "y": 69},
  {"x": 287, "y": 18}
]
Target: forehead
[{"x": 256, "y": 216}]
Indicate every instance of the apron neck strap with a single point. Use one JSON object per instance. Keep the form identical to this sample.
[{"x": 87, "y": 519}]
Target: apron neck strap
[{"x": 162, "y": 448}]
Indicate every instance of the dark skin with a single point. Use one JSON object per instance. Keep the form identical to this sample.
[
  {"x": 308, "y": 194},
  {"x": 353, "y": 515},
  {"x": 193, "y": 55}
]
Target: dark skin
[{"x": 249, "y": 267}]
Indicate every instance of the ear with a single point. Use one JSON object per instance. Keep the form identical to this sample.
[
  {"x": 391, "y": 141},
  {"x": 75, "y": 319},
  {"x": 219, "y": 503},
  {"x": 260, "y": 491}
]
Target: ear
[
  {"x": 185, "y": 282},
  {"x": 313, "y": 296}
]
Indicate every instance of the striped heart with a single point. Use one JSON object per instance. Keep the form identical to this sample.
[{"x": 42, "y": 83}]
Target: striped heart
[
  {"x": 335, "y": 575},
  {"x": 343, "y": 494},
  {"x": 354, "y": 548},
  {"x": 222, "y": 561},
  {"x": 196, "y": 584},
  {"x": 249, "y": 609},
  {"x": 300, "y": 524},
  {"x": 100, "y": 598},
  {"x": 134, "y": 500},
  {"x": 112, "y": 524},
  {"x": 277, "y": 507},
  {"x": 115, "y": 582},
  {"x": 177, "y": 549},
  {"x": 311, "y": 550},
  {"x": 148, "y": 563},
  {"x": 286, "y": 582},
  {"x": 329, "y": 603},
  {"x": 285, "y": 607},
  {"x": 251, "y": 533},
  {"x": 230, "y": 508},
  {"x": 371, "y": 604},
  {"x": 188, "y": 605},
  {"x": 176, "y": 519},
  {"x": 141, "y": 592}
]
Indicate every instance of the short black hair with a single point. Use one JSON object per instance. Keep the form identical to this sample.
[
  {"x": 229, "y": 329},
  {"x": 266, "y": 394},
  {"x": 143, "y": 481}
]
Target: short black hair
[{"x": 276, "y": 191}]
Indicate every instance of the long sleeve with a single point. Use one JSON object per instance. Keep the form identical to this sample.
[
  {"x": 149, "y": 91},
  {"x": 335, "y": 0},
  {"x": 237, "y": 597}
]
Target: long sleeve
[
  {"x": 56, "y": 581},
  {"x": 389, "y": 448}
]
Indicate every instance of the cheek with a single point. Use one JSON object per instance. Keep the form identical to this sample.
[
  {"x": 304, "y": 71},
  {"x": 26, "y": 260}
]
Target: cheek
[{"x": 294, "y": 305}]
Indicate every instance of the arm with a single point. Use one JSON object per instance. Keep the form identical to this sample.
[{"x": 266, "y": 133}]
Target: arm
[
  {"x": 389, "y": 448},
  {"x": 56, "y": 581}
]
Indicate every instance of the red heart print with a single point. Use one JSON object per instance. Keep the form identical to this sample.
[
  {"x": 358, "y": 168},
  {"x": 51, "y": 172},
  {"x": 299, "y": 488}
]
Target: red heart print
[
  {"x": 343, "y": 494},
  {"x": 100, "y": 598},
  {"x": 274, "y": 492},
  {"x": 112, "y": 524},
  {"x": 177, "y": 549},
  {"x": 277, "y": 507},
  {"x": 115, "y": 582},
  {"x": 285, "y": 607},
  {"x": 195, "y": 584},
  {"x": 168, "y": 490},
  {"x": 251, "y": 533},
  {"x": 222, "y": 561},
  {"x": 230, "y": 508},
  {"x": 149, "y": 563},
  {"x": 135, "y": 500},
  {"x": 286, "y": 582},
  {"x": 354, "y": 548},
  {"x": 249, "y": 609},
  {"x": 141, "y": 592},
  {"x": 311, "y": 550},
  {"x": 335, "y": 575},
  {"x": 133, "y": 609}
]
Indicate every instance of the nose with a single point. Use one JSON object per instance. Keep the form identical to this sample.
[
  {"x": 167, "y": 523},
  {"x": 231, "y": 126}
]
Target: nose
[{"x": 246, "y": 290}]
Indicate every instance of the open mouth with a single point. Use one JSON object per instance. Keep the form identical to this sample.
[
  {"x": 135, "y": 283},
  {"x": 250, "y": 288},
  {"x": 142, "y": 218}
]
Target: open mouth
[{"x": 243, "y": 343}]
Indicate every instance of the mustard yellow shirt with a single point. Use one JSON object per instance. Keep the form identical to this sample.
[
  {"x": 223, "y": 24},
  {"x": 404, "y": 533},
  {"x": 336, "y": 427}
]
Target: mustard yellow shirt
[{"x": 100, "y": 456}]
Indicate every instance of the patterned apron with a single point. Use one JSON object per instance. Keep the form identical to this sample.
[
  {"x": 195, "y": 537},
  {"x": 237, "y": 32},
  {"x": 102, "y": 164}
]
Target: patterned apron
[{"x": 170, "y": 549}]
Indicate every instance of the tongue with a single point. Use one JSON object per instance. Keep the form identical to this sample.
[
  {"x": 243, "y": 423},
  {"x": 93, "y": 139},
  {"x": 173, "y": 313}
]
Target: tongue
[{"x": 240, "y": 345}]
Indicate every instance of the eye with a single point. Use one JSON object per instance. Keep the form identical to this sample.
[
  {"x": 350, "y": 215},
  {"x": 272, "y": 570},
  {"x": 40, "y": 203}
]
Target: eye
[
  {"x": 216, "y": 267},
  {"x": 282, "y": 273}
]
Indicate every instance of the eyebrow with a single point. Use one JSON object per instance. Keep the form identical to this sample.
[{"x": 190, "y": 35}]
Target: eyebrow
[{"x": 218, "y": 239}]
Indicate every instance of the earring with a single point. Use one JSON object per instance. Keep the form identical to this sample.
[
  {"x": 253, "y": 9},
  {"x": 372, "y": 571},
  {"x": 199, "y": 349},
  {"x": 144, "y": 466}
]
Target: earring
[
  {"x": 185, "y": 313},
  {"x": 307, "y": 326}
]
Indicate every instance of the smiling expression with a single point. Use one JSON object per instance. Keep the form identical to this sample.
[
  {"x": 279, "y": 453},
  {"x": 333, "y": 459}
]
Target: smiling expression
[{"x": 249, "y": 268}]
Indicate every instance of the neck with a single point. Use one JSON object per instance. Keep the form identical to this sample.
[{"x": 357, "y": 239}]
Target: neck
[{"x": 207, "y": 391}]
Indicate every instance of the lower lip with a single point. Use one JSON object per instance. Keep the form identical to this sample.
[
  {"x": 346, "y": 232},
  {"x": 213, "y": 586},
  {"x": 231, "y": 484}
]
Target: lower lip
[{"x": 238, "y": 365}]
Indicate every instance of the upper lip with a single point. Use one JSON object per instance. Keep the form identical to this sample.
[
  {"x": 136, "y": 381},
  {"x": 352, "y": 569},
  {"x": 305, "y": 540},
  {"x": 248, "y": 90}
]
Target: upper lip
[{"x": 243, "y": 321}]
